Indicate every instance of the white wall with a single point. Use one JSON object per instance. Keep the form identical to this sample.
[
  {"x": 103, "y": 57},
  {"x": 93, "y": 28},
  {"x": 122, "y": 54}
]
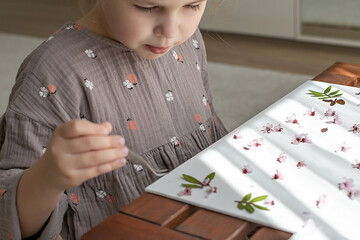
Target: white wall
[{"x": 273, "y": 18}]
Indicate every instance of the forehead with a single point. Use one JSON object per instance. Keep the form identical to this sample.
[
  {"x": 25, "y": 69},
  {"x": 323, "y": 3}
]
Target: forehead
[{"x": 167, "y": 2}]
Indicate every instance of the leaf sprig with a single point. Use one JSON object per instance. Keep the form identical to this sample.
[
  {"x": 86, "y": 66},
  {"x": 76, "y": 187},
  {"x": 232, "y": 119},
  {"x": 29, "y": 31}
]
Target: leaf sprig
[
  {"x": 248, "y": 204},
  {"x": 328, "y": 96},
  {"x": 196, "y": 183}
]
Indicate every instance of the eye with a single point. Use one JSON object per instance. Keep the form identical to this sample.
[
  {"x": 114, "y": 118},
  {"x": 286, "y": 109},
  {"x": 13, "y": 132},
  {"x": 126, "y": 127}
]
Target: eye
[
  {"x": 145, "y": 9},
  {"x": 193, "y": 7}
]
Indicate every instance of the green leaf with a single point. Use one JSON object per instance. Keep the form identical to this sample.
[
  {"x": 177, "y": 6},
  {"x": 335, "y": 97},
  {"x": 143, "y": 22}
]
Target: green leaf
[
  {"x": 211, "y": 176},
  {"x": 191, "y": 179},
  {"x": 240, "y": 206},
  {"x": 335, "y": 92},
  {"x": 249, "y": 208},
  {"x": 318, "y": 94},
  {"x": 261, "y": 207},
  {"x": 314, "y": 92},
  {"x": 327, "y": 89},
  {"x": 191, "y": 185},
  {"x": 246, "y": 198},
  {"x": 337, "y": 95},
  {"x": 258, "y": 199}
]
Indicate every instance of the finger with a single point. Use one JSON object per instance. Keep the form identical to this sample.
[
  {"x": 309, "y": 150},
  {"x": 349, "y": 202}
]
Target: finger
[
  {"x": 79, "y": 127},
  {"x": 103, "y": 168},
  {"x": 95, "y": 158},
  {"x": 94, "y": 143}
]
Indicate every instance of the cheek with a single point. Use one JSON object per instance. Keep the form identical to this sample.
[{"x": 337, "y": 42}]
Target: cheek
[{"x": 189, "y": 26}]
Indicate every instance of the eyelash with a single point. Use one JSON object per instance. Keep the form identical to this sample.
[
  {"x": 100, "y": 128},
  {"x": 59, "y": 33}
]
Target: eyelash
[{"x": 149, "y": 9}]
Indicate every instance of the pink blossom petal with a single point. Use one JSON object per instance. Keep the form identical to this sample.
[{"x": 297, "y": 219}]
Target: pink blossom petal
[
  {"x": 301, "y": 164},
  {"x": 237, "y": 135},
  {"x": 247, "y": 169},
  {"x": 322, "y": 201},
  {"x": 282, "y": 158},
  {"x": 347, "y": 185},
  {"x": 278, "y": 175},
  {"x": 186, "y": 192}
]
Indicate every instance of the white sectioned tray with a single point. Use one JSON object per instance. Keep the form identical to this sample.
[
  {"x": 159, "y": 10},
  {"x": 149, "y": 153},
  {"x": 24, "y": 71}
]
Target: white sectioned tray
[{"x": 314, "y": 192}]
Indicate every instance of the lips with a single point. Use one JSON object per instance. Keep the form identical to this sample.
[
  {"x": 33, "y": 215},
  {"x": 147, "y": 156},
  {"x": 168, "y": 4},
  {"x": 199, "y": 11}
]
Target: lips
[{"x": 157, "y": 50}]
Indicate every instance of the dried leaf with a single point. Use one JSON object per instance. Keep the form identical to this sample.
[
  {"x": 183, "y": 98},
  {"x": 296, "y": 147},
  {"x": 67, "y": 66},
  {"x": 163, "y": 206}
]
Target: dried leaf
[
  {"x": 340, "y": 101},
  {"x": 191, "y": 179},
  {"x": 259, "y": 198}
]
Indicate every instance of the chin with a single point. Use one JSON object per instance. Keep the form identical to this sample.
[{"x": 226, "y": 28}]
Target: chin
[{"x": 150, "y": 55}]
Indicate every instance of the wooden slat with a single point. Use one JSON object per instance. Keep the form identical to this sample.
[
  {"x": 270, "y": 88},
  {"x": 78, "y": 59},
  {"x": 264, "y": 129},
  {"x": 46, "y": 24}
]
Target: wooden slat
[
  {"x": 265, "y": 233},
  {"x": 341, "y": 73},
  {"x": 212, "y": 225},
  {"x": 163, "y": 211},
  {"x": 121, "y": 226}
]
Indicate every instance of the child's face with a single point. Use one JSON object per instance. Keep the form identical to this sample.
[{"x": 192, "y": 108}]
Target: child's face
[{"x": 150, "y": 27}]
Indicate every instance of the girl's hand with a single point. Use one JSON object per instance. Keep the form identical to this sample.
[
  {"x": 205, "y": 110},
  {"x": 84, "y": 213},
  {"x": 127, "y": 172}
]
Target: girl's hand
[{"x": 80, "y": 150}]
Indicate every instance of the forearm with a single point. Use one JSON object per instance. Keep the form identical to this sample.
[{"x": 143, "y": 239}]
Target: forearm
[{"x": 35, "y": 200}]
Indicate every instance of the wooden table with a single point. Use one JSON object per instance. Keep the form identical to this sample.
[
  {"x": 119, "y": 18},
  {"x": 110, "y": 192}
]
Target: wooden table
[{"x": 155, "y": 217}]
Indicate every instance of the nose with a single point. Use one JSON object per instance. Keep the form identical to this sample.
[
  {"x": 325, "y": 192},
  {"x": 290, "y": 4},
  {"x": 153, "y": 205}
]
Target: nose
[{"x": 168, "y": 27}]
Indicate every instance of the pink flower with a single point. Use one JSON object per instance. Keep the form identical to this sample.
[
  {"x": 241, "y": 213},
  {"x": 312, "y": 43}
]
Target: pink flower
[
  {"x": 347, "y": 185},
  {"x": 353, "y": 194},
  {"x": 210, "y": 191},
  {"x": 356, "y": 165},
  {"x": 247, "y": 169},
  {"x": 301, "y": 138},
  {"x": 269, "y": 202},
  {"x": 292, "y": 119},
  {"x": 301, "y": 164},
  {"x": 329, "y": 113},
  {"x": 322, "y": 201},
  {"x": 282, "y": 158},
  {"x": 237, "y": 135},
  {"x": 343, "y": 148},
  {"x": 336, "y": 120},
  {"x": 278, "y": 175},
  {"x": 267, "y": 128},
  {"x": 256, "y": 143},
  {"x": 206, "y": 182},
  {"x": 310, "y": 112},
  {"x": 278, "y": 128},
  {"x": 186, "y": 192},
  {"x": 355, "y": 128}
]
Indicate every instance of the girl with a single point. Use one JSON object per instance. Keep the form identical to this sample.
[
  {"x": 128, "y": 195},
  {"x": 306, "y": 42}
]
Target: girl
[{"x": 131, "y": 70}]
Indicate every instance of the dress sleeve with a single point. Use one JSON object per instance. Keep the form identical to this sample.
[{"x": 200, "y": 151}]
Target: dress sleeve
[{"x": 22, "y": 142}]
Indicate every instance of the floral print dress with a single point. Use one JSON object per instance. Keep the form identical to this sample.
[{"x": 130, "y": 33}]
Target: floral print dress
[{"x": 162, "y": 107}]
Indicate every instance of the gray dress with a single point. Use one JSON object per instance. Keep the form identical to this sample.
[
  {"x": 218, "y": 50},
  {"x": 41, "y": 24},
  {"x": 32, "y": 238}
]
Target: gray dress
[{"x": 162, "y": 107}]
